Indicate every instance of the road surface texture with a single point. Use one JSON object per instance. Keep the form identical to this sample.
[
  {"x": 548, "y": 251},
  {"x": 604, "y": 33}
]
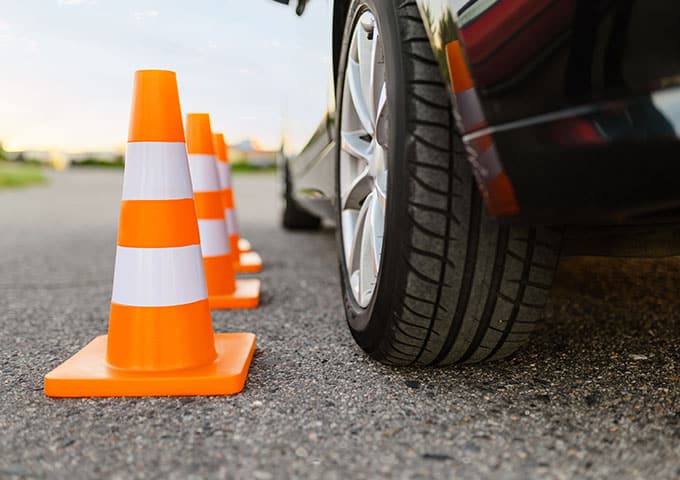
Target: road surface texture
[{"x": 597, "y": 394}]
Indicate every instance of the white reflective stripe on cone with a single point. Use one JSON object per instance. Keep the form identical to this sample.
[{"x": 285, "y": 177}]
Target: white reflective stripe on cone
[
  {"x": 230, "y": 217},
  {"x": 489, "y": 163},
  {"x": 156, "y": 171},
  {"x": 470, "y": 109},
  {"x": 158, "y": 277},
  {"x": 203, "y": 176},
  {"x": 213, "y": 237},
  {"x": 223, "y": 173}
]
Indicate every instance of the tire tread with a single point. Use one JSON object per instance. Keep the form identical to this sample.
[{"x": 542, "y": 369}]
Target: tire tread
[{"x": 473, "y": 291}]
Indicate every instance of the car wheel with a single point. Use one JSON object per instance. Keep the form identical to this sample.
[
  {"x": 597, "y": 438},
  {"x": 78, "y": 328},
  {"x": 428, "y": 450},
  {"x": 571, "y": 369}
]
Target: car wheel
[
  {"x": 294, "y": 216},
  {"x": 427, "y": 277}
]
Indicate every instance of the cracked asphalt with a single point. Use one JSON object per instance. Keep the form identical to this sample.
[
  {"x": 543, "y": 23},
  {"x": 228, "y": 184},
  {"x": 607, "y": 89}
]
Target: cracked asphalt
[{"x": 596, "y": 395}]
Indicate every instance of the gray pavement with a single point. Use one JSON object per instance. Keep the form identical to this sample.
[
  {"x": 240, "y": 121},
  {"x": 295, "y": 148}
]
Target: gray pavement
[{"x": 596, "y": 395}]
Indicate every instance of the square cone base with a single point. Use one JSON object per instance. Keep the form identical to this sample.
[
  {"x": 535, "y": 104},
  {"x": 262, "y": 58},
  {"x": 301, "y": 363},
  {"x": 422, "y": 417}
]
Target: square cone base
[
  {"x": 86, "y": 374},
  {"x": 246, "y": 295},
  {"x": 248, "y": 262},
  {"x": 244, "y": 245}
]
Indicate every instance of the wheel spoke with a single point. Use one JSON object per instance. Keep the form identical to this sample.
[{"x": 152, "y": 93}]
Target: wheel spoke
[
  {"x": 373, "y": 72},
  {"x": 357, "y": 95},
  {"x": 370, "y": 251},
  {"x": 377, "y": 227},
  {"x": 378, "y": 160},
  {"x": 380, "y": 189},
  {"x": 354, "y": 280},
  {"x": 354, "y": 144},
  {"x": 365, "y": 56},
  {"x": 357, "y": 191},
  {"x": 381, "y": 122},
  {"x": 349, "y": 221},
  {"x": 353, "y": 260}
]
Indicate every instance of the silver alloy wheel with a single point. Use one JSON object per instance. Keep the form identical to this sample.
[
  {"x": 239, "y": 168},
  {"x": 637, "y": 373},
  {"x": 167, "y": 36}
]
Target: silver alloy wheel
[{"x": 363, "y": 167}]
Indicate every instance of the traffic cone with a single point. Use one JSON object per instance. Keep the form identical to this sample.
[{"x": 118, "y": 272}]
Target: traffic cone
[
  {"x": 224, "y": 290},
  {"x": 496, "y": 187},
  {"x": 245, "y": 260},
  {"x": 244, "y": 245},
  {"x": 160, "y": 339},
  {"x": 468, "y": 105},
  {"x": 224, "y": 171}
]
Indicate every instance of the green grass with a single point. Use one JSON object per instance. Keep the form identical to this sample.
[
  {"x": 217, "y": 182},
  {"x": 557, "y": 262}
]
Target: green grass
[
  {"x": 20, "y": 175},
  {"x": 93, "y": 162},
  {"x": 242, "y": 167}
]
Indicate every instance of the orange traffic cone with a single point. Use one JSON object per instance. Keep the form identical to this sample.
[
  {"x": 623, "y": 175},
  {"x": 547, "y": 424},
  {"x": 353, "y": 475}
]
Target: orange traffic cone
[
  {"x": 224, "y": 290},
  {"x": 497, "y": 190},
  {"x": 245, "y": 261},
  {"x": 160, "y": 339}
]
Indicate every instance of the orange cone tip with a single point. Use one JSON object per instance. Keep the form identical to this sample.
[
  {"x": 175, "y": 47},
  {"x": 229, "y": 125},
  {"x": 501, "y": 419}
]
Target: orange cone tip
[{"x": 160, "y": 340}]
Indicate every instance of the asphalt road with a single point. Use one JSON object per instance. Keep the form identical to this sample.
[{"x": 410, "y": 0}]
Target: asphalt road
[{"x": 597, "y": 394}]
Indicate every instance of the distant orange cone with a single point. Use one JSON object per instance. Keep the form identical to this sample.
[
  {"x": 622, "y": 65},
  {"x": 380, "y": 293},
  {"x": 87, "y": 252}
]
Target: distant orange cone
[
  {"x": 224, "y": 171},
  {"x": 224, "y": 290},
  {"x": 244, "y": 245},
  {"x": 245, "y": 261},
  {"x": 160, "y": 339}
]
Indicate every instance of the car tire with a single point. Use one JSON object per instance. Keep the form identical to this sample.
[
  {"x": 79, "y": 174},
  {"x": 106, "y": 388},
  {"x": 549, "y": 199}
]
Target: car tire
[
  {"x": 452, "y": 285},
  {"x": 294, "y": 216}
]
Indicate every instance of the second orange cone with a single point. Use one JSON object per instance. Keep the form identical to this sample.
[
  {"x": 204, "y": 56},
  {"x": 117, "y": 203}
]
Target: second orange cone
[{"x": 224, "y": 290}]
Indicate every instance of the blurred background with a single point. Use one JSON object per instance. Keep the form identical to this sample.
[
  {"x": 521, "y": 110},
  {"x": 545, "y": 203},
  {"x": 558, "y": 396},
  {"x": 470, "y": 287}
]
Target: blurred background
[{"x": 66, "y": 83}]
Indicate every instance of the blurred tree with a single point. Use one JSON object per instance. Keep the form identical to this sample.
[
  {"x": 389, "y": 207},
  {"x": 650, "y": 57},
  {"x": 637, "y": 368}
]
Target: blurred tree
[{"x": 3, "y": 154}]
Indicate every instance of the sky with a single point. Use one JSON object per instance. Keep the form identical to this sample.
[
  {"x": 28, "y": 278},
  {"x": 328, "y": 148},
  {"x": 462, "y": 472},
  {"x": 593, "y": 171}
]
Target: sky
[{"x": 67, "y": 67}]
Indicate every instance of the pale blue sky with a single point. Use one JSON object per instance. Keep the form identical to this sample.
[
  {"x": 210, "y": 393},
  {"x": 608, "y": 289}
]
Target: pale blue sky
[{"x": 67, "y": 67}]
